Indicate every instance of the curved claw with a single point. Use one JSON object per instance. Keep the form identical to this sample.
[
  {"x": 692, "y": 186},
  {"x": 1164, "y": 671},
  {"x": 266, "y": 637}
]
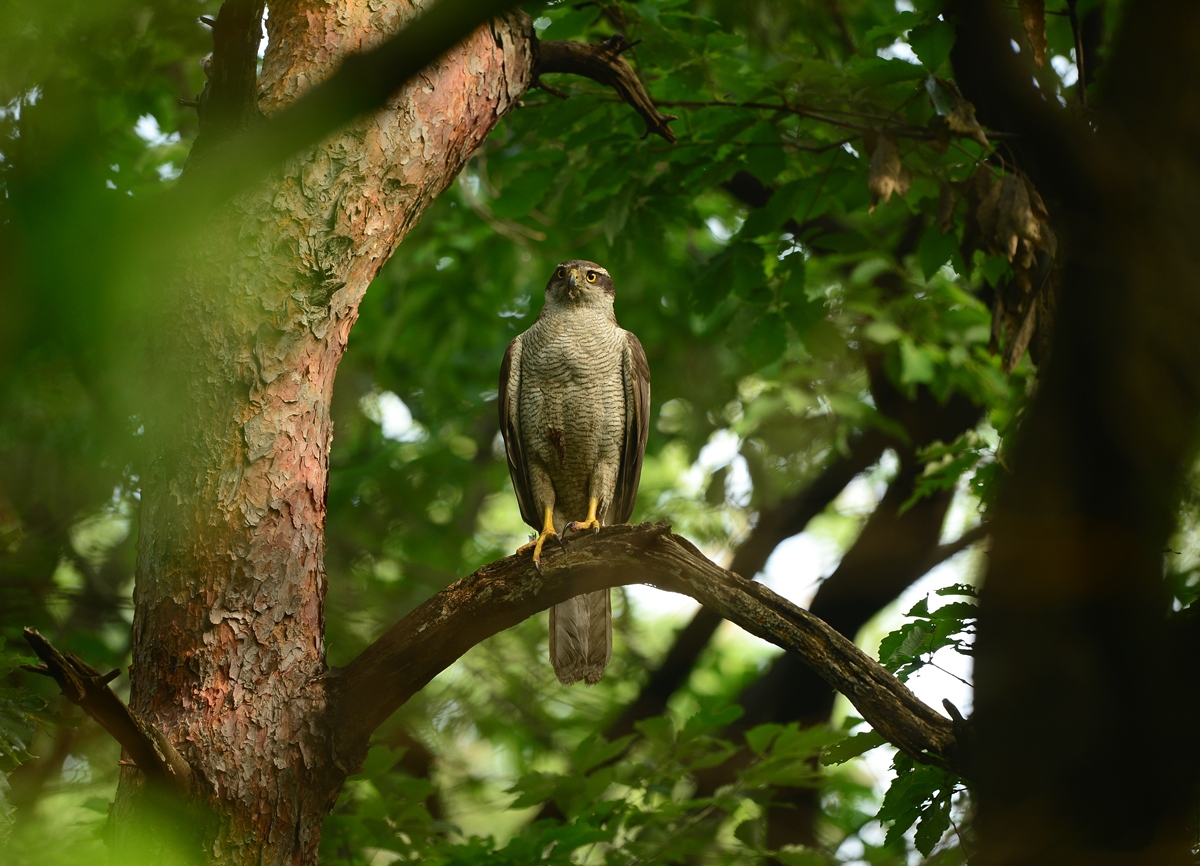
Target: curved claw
[
  {"x": 540, "y": 540},
  {"x": 592, "y": 522}
]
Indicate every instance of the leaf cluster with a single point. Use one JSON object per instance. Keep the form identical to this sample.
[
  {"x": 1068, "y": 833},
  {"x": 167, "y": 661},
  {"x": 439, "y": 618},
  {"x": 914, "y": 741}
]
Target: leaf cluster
[
  {"x": 952, "y": 625},
  {"x": 832, "y": 229}
]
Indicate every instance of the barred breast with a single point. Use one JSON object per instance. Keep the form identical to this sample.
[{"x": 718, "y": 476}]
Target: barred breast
[{"x": 573, "y": 407}]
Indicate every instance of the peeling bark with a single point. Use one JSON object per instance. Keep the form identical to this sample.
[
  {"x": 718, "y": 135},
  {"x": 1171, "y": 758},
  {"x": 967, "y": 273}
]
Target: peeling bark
[{"x": 228, "y": 654}]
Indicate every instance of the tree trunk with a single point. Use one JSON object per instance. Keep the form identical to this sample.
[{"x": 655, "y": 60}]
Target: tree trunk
[
  {"x": 1085, "y": 699},
  {"x": 228, "y": 651}
]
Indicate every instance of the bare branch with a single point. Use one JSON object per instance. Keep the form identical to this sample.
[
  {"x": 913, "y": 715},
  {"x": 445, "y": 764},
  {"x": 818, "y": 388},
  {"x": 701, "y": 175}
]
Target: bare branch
[
  {"x": 82, "y": 684},
  {"x": 501, "y": 594},
  {"x": 603, "y": 62},
  {"x": 777, "y": 523}
]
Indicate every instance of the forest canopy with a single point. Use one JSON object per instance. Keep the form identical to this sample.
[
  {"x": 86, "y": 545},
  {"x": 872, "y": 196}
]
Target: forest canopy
[{"x": 916, "y": 285}]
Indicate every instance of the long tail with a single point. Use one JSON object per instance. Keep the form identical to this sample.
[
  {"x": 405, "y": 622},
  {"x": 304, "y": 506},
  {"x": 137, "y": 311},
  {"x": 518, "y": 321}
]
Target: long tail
[{"x": 581, "y": 637}]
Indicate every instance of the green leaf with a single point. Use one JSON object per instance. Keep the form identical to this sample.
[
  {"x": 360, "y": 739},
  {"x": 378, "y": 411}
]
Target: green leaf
[
  {"x": 659, "y": 730},
  {"x": 919, "y": 793},
  {"x": 932, "y": 43},
  {"x": 766, "y": 343},
  {"x": 956, "y": 612},
  {"x": 920, "y": 608},
  {"x": 595, "y": 750},
  {"x": 749, "y": 833},
  {"x": 993, "y": 268},
  {"x": 933, "y": 824},
  {"x": 896, "y": 648},
  {"x": 803, "y": 307},
  {"x": 882, "y": 332},
  {"x": 958, "y": 589},
  {"x": 534, "y": 788},
  {"x": 934, "y": 250},
  {"x": 851, "y": 747},
  {"x": 759, "y": 738},
  {"x": 525, "y": 191},
  {"x": 875, "y": 71},
  {"x": 767, "y": 221},
  {"x": 709, "y": 720},
  {"x": 914, "y": 641},
  {"x": 767, "y": 160},
  {"x": 569, "y": 22},
  {"x": 17, "y": 713},
  {"x": 800, "y": 855},
  {"x": 789, "y": 760},
  {"x": 916, "y": 364},
  {"x": 573, "y": 836},
  {"x": 617, "y": 214}
]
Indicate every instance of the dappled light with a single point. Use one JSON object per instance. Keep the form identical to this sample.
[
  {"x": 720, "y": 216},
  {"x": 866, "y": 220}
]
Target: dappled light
[{"x": 911, "y": 569}]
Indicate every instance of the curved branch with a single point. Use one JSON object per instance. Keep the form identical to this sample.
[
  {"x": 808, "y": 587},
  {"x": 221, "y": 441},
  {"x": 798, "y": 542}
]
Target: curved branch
[
  {"x": 499, "y": 595},
  {"x": 776, "y": 524},
  {"x": 603, "y": 62}
]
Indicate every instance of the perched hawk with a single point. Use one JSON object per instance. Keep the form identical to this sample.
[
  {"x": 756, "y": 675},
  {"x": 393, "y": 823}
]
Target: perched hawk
[{"x": 574, "y": 412}]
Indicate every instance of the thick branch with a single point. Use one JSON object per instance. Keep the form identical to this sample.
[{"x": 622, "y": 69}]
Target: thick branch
[
  {"x": 502, "y": 594},
  {"x": 603, "y": 62},
  {"x": 776, "y": 524},
  {"x": 82, "y": 684}
]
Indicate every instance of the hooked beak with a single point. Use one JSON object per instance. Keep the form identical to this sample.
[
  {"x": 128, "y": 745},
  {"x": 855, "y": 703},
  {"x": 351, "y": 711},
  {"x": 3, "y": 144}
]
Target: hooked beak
[{"x": 573, "y": 282}]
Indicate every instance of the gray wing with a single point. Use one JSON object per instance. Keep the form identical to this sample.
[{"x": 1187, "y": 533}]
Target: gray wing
[
  {"x": 510, "y": 428},
  {"x": 636, "y": 372}
]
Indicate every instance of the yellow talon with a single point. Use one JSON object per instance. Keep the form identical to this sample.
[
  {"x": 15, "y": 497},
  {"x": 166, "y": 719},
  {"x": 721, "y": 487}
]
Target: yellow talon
[
  {"x": 591, "y": 523},
  {"x": 537, "y": 543}
]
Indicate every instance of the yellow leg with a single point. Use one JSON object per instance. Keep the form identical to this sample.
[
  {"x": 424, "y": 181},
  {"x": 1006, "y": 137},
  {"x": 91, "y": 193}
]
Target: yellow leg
[
  {"x": 591, "y": 523},
  {"x": 537, "y": 543}
]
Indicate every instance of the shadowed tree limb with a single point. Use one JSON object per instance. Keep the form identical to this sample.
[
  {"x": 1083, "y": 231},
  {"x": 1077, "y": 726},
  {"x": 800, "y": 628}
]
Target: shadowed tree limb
[
  {"x": 501, "y": 594},
  {"x": 229, "y": 102},
  {"x": 85, "y": 686},
  {"x": 603, "y": 62},
  {"x": 1074, "y": 656},
  {"x": 776, "y": 524}
]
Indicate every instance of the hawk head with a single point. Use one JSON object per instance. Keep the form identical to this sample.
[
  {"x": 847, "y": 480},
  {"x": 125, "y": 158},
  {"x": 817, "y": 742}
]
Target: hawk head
[{"x": 580, "y": 283}]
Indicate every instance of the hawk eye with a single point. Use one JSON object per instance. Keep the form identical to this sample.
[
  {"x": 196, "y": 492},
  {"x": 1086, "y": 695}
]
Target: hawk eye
[
  {"x": 591, "y": 276},
  {"x": 561, "y": 273}
]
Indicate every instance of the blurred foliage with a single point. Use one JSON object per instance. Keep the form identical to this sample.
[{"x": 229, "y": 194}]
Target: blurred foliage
[{"x": 761, "y": 260}]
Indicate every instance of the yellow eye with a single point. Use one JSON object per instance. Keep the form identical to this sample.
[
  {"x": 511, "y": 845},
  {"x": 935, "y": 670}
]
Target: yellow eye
[
  {"x": 591, "y": 276},
  {"x": 561, "y": 273}
]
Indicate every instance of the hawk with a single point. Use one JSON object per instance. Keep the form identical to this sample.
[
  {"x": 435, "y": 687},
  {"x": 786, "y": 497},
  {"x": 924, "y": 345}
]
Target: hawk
[{"x": 574, "y": 413}]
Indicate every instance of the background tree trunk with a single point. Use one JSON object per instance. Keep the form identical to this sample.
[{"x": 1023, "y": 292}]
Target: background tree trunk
[
  {"x": 1082, "y": 676},
  {"x": 228, "y": 652}
]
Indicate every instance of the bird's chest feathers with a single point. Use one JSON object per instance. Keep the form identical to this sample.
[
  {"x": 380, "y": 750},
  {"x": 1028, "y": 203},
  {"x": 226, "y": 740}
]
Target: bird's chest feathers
[
  {"x": 573, "y": 393},
  {"x": 584, "y": 353}
]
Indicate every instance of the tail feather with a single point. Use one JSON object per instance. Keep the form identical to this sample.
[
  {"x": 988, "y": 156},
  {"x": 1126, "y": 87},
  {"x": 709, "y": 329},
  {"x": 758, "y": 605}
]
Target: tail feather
[{"x": 581, "y": 637}]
